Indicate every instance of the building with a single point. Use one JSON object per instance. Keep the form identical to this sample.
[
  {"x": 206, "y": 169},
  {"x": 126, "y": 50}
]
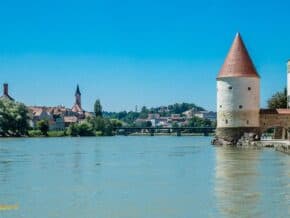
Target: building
[
  {"x": 238, "y": 99},
  {"x": 238, "y": 94},
  {"x": 210, "y": 115},
  {"x": 6, "y": 95},
  {"x": 288, "y": 83},
  {"x": 59, "y": 117}
]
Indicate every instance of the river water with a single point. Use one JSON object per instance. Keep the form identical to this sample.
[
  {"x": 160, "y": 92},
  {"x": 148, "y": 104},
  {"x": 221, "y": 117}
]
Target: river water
[{"x": 124, "y": 177}]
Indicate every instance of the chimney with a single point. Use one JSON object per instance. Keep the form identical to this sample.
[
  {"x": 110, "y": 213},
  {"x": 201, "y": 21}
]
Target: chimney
[{"x": 5, "y": 89}]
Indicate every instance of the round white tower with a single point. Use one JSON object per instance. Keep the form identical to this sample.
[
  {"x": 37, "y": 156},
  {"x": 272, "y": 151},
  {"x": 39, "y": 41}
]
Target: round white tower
[{"x": 238, "y": 94}]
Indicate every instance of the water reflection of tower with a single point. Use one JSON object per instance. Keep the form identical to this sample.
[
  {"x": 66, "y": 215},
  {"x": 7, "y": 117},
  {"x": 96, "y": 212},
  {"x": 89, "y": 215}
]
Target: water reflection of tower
[{"x": 236, "y": 182}]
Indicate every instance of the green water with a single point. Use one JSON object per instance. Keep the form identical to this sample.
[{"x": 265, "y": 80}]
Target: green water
[{"x": 142, "y": 177}]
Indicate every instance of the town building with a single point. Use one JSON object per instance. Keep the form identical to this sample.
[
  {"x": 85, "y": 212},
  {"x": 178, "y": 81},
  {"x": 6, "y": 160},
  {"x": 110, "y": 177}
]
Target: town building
[
  {"x": 59, "y": 117},
  {"x": 210, "y": 115}
]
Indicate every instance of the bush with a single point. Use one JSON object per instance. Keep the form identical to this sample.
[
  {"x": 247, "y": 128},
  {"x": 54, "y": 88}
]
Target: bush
[
  {"x": 56, "y": 133},
  {"x": 99, "y": 133},
  {"x": 43, "y": 126},
  {"x": 34, "y": 133},
  {"x": 81, "y": 129}
]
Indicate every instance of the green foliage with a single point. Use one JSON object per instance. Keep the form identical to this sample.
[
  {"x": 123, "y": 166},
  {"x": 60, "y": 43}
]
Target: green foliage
[
  {"x": 13, "y": 118},
  {"x": 130, "y": 117},
  {"x": 56, "y": 133},
  {"x": 180, "y": 108},
  {"x": 116, "y": 123},
  {"x": 43, "y": 126},
  {"x": 278, "y": 100},
  {"x": 98, "y": 109},
  {"x": 199, "y": 122},
  {"x": 102, "y": 125},
  {"x": 81, "y": 129},
  {"x": 175, "y": 125},
  {"x": 34, "y": 133},
  {"x": 144, "y": 124}
]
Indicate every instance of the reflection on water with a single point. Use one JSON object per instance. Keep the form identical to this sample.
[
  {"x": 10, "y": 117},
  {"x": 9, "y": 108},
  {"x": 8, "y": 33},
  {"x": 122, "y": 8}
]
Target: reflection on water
[
  {"x": 237, "y": 182},
  {"x": 252, "y": 183},
  {"x": 140, "y": 177}
]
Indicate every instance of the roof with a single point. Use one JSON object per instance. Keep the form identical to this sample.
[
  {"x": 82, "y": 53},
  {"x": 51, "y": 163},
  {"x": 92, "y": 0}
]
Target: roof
[
  {"x": 6, "y": 97},
  {"x": 70, "y": 119},
  {"x": 77, "y": 109},
  {"x": 284, "y": 111},
  {"x": 238, "y": 62}
]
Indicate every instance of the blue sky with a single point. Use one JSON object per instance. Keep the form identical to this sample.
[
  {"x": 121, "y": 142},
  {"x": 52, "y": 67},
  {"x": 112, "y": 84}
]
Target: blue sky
[{"x": 132, "y": 52}]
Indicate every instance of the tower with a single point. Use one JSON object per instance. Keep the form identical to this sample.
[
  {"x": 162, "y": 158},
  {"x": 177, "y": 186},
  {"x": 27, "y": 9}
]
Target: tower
[
  {"x": 77, "y": 108},
  {"x": 6, "y": 93},
  {"x": 78, "y": 96},
  {"x": 288, "y": 83},
  {"x": 238, "y": 94}
]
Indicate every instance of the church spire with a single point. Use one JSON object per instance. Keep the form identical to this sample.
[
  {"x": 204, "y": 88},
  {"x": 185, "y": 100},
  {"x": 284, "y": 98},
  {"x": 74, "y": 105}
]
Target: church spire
[
  {"x": 238, "y": 62},
  {"x": 78, "y": 90}
]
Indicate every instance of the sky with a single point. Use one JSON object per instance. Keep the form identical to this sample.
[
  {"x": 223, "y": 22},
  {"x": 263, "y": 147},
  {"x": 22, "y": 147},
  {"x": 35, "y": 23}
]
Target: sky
[{"x": 129, "y": 52}]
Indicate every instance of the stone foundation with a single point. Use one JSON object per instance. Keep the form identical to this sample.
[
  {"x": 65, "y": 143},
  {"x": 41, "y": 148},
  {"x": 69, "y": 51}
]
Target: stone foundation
[{"x": 234, "y": 136}]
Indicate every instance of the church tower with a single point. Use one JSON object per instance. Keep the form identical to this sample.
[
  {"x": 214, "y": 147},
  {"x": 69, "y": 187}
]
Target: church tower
[
  {"x": 78, "y": 102},
  {"x": 78, "y": 96},
  {"x": 238, "y": 94}
]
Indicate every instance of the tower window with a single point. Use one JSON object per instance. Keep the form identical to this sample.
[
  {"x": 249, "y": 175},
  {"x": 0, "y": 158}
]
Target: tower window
[
  {"x": 227, "y": 121},
  {"x": 248, "y": 122},
  {"x": 230, "y": 87},
  {"x": 221, "y": 106},
  {"x": 249, "y": 88},
  {"x": 241, "y": 106}
]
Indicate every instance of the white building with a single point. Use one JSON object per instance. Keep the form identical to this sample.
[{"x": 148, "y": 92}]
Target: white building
[{"x": 238, "y": 94}]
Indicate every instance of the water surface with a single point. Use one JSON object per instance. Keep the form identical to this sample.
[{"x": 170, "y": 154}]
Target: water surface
[{"x": 140, "y": 177}]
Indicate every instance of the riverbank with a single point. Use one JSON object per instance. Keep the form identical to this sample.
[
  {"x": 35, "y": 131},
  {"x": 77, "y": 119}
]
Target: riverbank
[{"x": 278, "y": 145}]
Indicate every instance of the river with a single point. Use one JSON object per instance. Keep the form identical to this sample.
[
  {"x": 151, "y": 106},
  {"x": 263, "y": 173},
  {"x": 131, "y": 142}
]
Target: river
[{"x": 146, "y": 177}]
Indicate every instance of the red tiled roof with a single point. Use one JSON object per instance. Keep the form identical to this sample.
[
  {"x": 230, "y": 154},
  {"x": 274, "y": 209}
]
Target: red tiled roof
[
  {"x": 238, "y": 62},
  {"x": 275, "y": 111}
]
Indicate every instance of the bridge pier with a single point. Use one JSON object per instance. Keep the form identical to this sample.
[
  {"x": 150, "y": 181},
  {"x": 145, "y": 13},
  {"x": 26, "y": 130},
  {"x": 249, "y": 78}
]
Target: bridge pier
[
  {"x": 152, "y": 131},
  {"x": 178, "y": 132}
]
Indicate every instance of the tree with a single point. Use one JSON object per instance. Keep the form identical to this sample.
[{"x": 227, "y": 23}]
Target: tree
[
  {"x": 81, "y": 129},
  {"x": 98, "y": 108},
  {"x": 13, "y": 118},
  {"x": 278, "y": 100},
  {"x": 199, "y": 122},
  {"x": 43, "y": 126}
]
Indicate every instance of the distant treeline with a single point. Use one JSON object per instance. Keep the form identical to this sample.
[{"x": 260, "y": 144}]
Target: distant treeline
[{"x": 164, "y": 111}]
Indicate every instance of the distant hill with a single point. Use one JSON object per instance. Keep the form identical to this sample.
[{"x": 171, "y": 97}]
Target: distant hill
[{"x": 164, "y": 111}]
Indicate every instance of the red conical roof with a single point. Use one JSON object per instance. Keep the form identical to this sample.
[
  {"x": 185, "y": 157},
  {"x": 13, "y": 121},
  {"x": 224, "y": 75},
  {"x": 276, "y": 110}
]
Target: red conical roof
[{"x": 238, "y": 62}]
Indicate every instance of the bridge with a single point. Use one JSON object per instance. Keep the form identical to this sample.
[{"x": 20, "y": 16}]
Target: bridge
[{"x": 152, "y": 130}]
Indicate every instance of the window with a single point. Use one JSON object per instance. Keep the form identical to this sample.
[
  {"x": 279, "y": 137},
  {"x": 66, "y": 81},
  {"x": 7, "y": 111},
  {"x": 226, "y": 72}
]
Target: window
[
  {"x": 248, "y": 122},
  {"x": 230, "y": 87},
  {"x": 221, "y": 106},
  {"x": 241, "y": 106},
  {"x": 226, "y": 121},
  {"x": 249, "y": 88}
]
